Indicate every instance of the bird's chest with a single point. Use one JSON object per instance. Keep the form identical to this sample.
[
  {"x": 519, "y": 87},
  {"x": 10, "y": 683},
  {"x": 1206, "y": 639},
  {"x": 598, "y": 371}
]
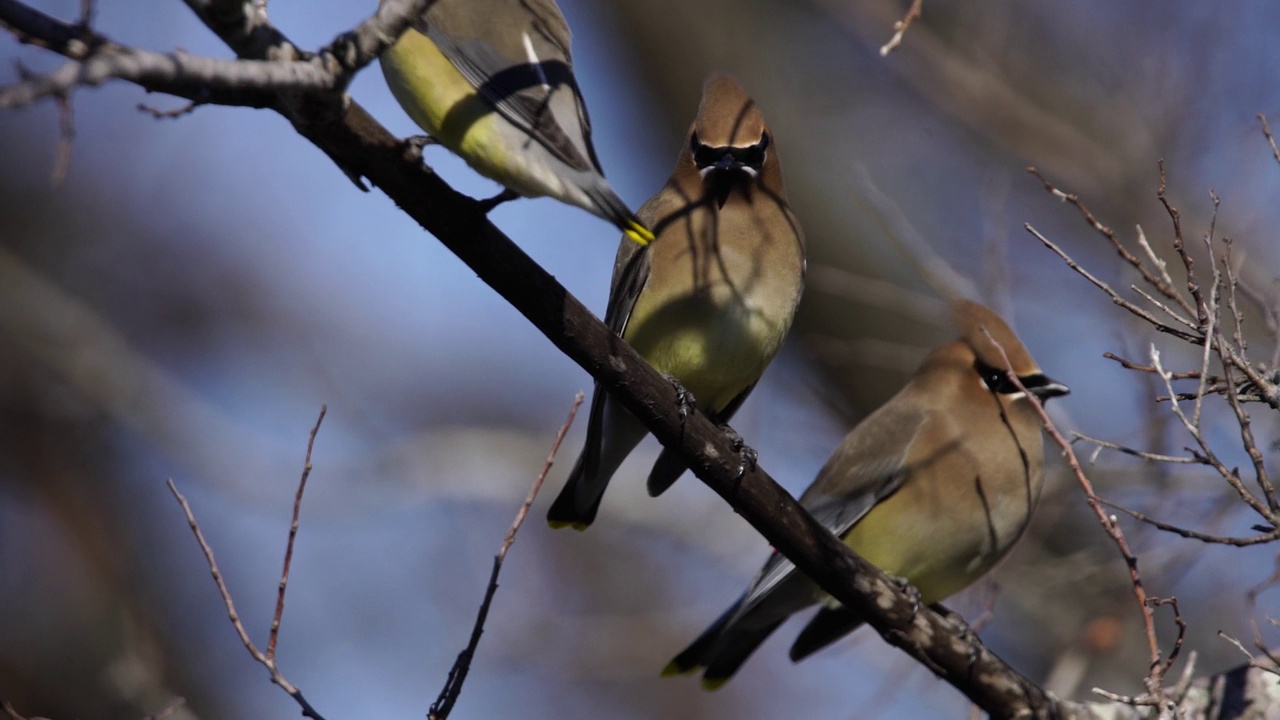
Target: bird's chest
[{"x": 719, "y": 299}]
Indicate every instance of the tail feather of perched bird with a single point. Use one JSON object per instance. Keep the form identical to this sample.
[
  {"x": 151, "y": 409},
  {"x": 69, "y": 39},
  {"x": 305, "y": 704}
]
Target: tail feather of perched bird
[
  {"x": 578, "y": 503},
  {"x": 935, "y": 486},
  {"x": 493, "y": 81},
  {"x": 732, "y": 651},
  {"x": 711, "y": 299},
  {"x": 827, "y": 626}
]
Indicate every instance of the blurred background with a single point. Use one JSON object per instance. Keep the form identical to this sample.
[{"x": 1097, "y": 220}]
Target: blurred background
[{"x": 182, "y": 305}]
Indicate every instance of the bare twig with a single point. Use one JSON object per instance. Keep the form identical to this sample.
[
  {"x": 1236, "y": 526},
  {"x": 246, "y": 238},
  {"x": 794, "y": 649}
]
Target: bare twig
[
  {"x": 1209, "y": 329},
  {"x": 1209, "y": 333},
  {"x": 1267, "y": 389},
  {"x": 1163, "y": 306},
  {"x": 1153, "y": 457},
  {"x": 443, "y": 705},
  {"x": 1155, "y": 259},
  {"x": 267, "y": 659},
  {"x": 1251, "y": 599},
  {"x": 900, "y": 27},
  {"x": 1184, "y": 682},
  {"x": 1273, "y": 668},
  {"x": 1232, "y": 391},
  {"x": 1130, "y": 365},
  {"x": 1115, "y": 297},
  {"x": 1158, "y": 666},
  {"x": 96, "y": 59},
  {"x": 1156, "y": 282},
  {"x": 1231, "y": 476},
  {"x": 1181, "y": 624},
  {"x": 293, "y": 534},
  {"x": 177, "y": 73},
  {"x": 1266, "y": 131},
  {"x": 1267, "y": 537}
]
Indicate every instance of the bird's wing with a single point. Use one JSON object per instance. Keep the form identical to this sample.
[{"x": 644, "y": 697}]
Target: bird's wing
[
  {"x": 875, "y": 475},
  {"x": 630, "y": 273},
  {"x": 527, "y": 89}
]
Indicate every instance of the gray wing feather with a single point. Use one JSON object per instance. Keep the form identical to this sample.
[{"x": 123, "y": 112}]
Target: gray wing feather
[
  {"x": 525, "y": 94},
  {"x": 868, "y": 482}
]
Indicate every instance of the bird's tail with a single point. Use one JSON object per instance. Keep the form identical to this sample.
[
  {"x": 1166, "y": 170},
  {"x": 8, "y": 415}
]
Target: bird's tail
[
  {"x": 612, "y": 433},
  {"x": 611, "y": 207},
  {"x": 666, "y": 470},
  {"x": 636, "y": 230},
  {"x": 579, "y": 499},
  {"x": 722, "y": 648},
  {"x": 829, "y": 625}
]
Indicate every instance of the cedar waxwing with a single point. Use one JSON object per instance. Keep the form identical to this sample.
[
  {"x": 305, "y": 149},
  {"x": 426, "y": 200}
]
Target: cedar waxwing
[
  {"x": 710, "y": 300},
  {"x": 935, "y": 486},
  {"x": 492, "y": 81}
]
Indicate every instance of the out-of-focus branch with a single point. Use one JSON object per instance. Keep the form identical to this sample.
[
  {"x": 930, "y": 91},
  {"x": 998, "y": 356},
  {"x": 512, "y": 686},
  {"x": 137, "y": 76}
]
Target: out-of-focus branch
[
  {"x": 936, "y": 271},
  {"x": 900, "y": 27},
  {"x": 443, "y": 705},
  {"x": 961, "y": 85}
]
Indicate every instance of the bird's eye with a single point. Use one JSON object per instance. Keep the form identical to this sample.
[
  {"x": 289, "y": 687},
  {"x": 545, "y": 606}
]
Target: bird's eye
[
  {"x": 754, "y": 156},
  {"x": 729, "y": 157},
  {"x": 704, "y": 156},
  {"x": 996, "y": 380}
]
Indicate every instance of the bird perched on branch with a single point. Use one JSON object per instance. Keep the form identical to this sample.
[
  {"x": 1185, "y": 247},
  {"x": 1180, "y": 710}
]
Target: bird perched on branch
[
  {"x": 710, "y": 300},
  {"x": 935, "y": 487},
  {"x": 492, "y": 80}
]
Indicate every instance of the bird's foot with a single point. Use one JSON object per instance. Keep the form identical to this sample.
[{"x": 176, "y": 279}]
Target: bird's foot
[
  {"x": 905, "y": 586},
  {"x": 487, "y": 205},
  {"x": 967, "y": 634},
  {"x": 685, "y": 399},
  {"x": 414, "y": 144},
  {"x": 748, "y": 458}
]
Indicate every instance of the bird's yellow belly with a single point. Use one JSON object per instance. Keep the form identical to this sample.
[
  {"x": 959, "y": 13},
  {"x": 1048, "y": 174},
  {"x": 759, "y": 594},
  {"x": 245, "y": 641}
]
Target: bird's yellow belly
[
  {"x": 937, "y": 554},
  {"x": 715, "y": 351},
  {"x": 445, "y": 105}
]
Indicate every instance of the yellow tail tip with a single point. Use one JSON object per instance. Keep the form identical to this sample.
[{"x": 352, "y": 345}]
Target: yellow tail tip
[
  {"x": 673, "y": 670},
  {"x": 560, "y": 524},
  {"x": 713, "y": 684},
  {"x": 638, "y": 233}
]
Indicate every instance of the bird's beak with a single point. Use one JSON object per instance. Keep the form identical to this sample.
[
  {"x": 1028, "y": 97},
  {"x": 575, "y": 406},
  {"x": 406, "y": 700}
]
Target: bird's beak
[
  {"x": 1048, "y": 389},
  {"x": 728, "y": 163}
]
